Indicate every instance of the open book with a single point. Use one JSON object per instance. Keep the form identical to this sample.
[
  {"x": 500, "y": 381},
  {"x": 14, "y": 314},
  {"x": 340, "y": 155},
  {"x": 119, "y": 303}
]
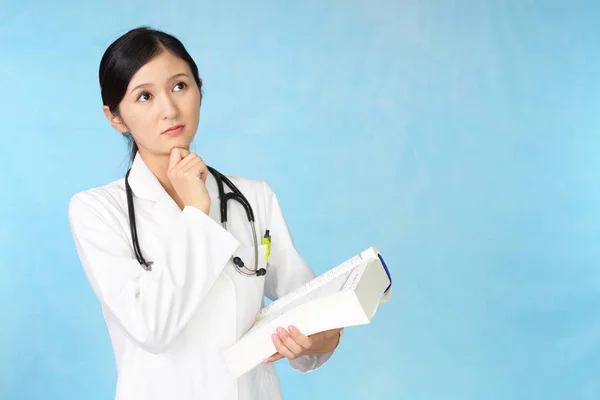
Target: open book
[{"x": 346, "y": 295}]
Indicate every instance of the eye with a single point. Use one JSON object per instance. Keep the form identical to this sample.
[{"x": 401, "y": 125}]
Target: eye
[
  {"x": 179, "y": 86},
  {"x": 144, "y": 97}
]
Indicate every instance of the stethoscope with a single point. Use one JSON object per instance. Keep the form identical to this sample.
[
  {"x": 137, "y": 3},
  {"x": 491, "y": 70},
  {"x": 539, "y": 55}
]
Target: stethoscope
[{"x": 235, "y": 194}]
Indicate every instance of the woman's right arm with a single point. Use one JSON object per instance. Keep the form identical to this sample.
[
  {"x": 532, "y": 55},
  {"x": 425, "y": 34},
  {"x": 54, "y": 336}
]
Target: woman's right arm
[{"x": 151, "y": 307}]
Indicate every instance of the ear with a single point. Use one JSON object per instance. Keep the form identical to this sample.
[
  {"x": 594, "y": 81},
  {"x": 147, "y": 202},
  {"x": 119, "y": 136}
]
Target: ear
[
  {"x": 115, "y": 120},
  {"x": 200, "y": 89}
]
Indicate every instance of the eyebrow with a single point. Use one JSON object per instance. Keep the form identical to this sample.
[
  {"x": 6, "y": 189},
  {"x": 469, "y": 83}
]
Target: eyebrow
[{"x": 150, "y": 84}]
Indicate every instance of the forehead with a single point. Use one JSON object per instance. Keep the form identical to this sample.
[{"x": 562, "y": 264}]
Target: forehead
[{"x": 159, "y": 69}]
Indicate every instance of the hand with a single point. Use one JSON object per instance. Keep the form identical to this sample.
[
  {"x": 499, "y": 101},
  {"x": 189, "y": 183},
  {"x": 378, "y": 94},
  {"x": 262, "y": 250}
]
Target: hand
[
  {"x": 292, "y": 344},
  {"x": 187, "y": 172}
]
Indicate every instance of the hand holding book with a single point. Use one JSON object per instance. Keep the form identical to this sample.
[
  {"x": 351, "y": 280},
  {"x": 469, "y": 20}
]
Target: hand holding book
[
  {"x": 347, "y": 295},
  {"x": 291, "y": 343}
]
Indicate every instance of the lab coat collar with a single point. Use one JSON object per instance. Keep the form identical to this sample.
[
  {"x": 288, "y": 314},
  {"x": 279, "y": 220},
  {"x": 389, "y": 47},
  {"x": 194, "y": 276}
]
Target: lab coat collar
[
  {"x": 146, "y": 185},
  {"x": 143, "y": 182}
]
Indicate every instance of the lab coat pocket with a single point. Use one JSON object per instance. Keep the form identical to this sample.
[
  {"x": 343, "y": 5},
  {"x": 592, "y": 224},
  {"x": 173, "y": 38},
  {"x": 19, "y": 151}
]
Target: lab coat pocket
[{"x": 249, "y": 288}]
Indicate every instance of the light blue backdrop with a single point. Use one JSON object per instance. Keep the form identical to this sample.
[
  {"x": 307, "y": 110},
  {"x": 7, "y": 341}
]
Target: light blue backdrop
[{"x": 462, "y": 138}]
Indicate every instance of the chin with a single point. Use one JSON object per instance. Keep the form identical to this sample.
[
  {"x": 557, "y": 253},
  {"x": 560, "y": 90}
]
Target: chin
[{"x": 181, "y": 142}]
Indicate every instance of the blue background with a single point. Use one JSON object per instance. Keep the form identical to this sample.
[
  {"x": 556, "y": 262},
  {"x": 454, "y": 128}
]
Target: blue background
[{"x": 462, "y": 138}]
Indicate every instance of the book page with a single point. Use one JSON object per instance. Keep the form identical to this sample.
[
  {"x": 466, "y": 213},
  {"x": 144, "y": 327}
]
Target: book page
[
  {"x": 335, "y": 285},
  {"x": 317, "y": 282},
  {"x": 355, "y": 275}
]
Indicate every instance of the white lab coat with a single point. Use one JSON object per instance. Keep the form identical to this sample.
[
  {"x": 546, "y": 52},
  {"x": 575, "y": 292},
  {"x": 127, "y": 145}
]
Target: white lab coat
[{"x": 169, "y": 326}]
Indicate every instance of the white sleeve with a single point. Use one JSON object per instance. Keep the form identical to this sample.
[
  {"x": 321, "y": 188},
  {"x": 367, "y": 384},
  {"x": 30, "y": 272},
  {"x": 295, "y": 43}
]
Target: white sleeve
[
  {"x": 287, "y": 271},
  {"x": 152, "y": 307}
]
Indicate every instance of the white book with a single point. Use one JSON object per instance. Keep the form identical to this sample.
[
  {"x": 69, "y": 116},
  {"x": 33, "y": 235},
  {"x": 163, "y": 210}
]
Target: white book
[{"x": 347, "y": 295}]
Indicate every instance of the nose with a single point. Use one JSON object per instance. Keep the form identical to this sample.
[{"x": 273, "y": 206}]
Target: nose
[{"x": 170, "y": 109}]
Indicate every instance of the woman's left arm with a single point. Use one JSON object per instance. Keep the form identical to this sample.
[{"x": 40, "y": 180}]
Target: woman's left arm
[{"x": 288, "y": 271}]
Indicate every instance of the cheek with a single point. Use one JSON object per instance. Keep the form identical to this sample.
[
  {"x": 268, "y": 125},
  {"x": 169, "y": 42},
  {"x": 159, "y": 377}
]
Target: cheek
[
  {"x": 141, "y": 123},
  {"x": 192, "y": 108}
]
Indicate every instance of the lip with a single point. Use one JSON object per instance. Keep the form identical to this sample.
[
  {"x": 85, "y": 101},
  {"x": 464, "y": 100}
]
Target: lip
[{"x": 174, "y": 130}]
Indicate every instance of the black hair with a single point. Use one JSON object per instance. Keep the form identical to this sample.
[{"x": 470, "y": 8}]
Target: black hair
[{"x": 126, "y": 55}]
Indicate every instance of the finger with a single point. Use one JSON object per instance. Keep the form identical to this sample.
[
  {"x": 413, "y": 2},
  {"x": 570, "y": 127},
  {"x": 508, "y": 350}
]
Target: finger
[
  {"x": 174, "y": 157},
  {"x": 184, "y": 152},
  {"x": 197, "y": 168},
  {"x": 281, "y": 348},
  {"x": 203, "y": 171},
  {"x": 191, "y": 163},
  {"x": 290, "y": 343},
  {"x": 183, "y": 165},
  {"x": 200, "y": 168},
  {"x": 273, "y": 358},
  {"x": 299, "y": 338}
]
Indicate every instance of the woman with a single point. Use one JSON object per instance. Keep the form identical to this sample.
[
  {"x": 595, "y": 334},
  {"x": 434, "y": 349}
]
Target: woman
[{"x": 187, "y": 287}]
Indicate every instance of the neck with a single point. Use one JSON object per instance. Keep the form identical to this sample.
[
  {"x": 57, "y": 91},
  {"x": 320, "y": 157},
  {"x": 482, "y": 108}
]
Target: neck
[{"x": 159, "y": 166}]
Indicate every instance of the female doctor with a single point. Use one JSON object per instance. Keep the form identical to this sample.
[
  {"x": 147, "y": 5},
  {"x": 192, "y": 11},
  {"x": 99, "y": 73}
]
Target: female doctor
[{"x": 178, "y": 286}]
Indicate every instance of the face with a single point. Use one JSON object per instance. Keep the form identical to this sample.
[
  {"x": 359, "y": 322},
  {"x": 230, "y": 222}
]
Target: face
[{"x": 161, "y": 108}]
